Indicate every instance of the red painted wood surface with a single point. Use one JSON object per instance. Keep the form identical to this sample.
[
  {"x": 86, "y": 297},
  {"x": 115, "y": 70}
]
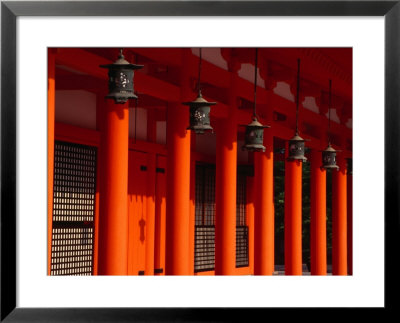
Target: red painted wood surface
[
  {"x": 339, "y": 219},
  {"x": 318, "y": 216},
  {"x": 178, "y": 181},
  {"x": 160, "y": 215},
  {"x": 225, "y": 196},
  {"x": 264, "y": 209},
  {"x": 137, "y": 208},
  {"x": 51, "y": 96},
  {"x": 293, "y": 220},
  {"x": 350, "y": 223},
  {"x": 167, "y": 225},
  {"x": 113, "y": 234}
]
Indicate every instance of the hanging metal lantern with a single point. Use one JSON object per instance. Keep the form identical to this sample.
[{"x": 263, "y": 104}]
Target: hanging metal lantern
[
  {"x": 254, "y": 133},
  {"x": 329, "y": 154},
  {"x": 329, "y": 158},
  {"x": 254, "y": 136},
  {"x": 199, "y": 120},
  {"x": 120, "y": 79},
  {"x": 296, "y": 149},
  {"x": 200, "y": 115},
  {"x": 296, "y": 144}
]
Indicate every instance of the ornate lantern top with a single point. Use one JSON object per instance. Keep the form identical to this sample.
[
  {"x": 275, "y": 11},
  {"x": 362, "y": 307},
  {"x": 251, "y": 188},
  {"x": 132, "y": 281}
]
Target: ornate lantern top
[
  {"x": 296, "y": 137},
  {"x": 200, "y": 101},
  {"x": 256, "y": 124},
  {"x": 121, "y": 62},
  {"x": 330, "y": 148}
]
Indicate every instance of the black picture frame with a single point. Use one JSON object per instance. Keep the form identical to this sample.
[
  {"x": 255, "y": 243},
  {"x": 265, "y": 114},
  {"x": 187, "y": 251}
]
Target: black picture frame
[{"x": 10, "y": 10}]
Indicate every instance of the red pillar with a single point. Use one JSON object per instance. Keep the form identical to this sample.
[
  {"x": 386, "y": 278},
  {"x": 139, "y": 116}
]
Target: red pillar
[
  {"x": 350, "y": 222},
  {"x": 226, "y": 168},
  {"x": 339, "y": 219},
  {"x": 101, "y": 107},
  {"x": 150, "y": 214},
  {"x": 160, "y": 230},
  {"x": 318, "y": 215},
  {"x": 113, "y": 240},
  {"x": 264, "y": 208},
  {"x": 51, "y": 107},
  {"x": 293, "y": 206},
  {"x": 178, "y": 179}
]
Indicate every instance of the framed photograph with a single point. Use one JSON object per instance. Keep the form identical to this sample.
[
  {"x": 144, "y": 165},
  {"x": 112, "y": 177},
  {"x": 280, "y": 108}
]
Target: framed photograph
[{"x": 360, "y": 36}]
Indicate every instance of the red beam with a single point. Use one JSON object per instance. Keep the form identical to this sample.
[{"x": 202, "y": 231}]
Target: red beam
[
  {"x": 86, "y": 62},
  {"x": 75, "y": 134},
  {"x": 83, "y": 61}
]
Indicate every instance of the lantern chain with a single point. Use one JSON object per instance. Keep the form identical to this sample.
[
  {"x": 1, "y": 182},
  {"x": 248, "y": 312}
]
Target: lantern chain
[
  {"x": 255, "y": 83},
  {"x": 136, "y": 107},
  {"x": 297, "y": 96},
  {"x": 329, "y": 112},
  {"x": 198, "y": 80}
]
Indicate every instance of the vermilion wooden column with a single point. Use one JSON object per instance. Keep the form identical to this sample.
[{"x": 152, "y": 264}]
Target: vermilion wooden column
[
  {"x": 264, "y": 208},
  {"x": 150, "y": 198},
  {"x": 101, "y": 106},
  {"x": 113, "y": 240},
  {"x": 293, "y": 221},
  {"x": 150, "y": 214},
  {"x": 350, "y": 222},
  {"x": 192, "y": 206},
  {"x": 160, "y": 230},
  {"x": 339, "y": 219},
  {"x": 226, "y": 168},
  {"x": 318, "y": 215},
  {"x": 51, "y": 107},
  {"x": 178, "y": 179}
]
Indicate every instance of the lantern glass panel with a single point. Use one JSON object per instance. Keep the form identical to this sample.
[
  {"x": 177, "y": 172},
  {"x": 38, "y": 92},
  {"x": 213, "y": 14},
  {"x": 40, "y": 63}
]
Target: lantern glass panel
[
  {"x": 120, "y": 85},
  {"x": 254, "y": 135},
  {"x": 296, "y": 149},
  {"x": 254, "y": 138},
  {"x": 329, "y": 159},
  {"x": 200, "y": 118}
]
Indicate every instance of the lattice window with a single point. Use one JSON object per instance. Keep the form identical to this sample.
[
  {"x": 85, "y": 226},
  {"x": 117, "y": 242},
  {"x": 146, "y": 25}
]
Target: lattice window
[
  {"x": 242, "y": 246},
  {"x": 73, "y": 209},
  {"x": 204, "y": 253},
  {"x": 242, "y": 231}
]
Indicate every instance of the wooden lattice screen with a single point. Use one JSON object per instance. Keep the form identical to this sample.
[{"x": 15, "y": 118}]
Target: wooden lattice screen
[{"x": 73, "y": 209}]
